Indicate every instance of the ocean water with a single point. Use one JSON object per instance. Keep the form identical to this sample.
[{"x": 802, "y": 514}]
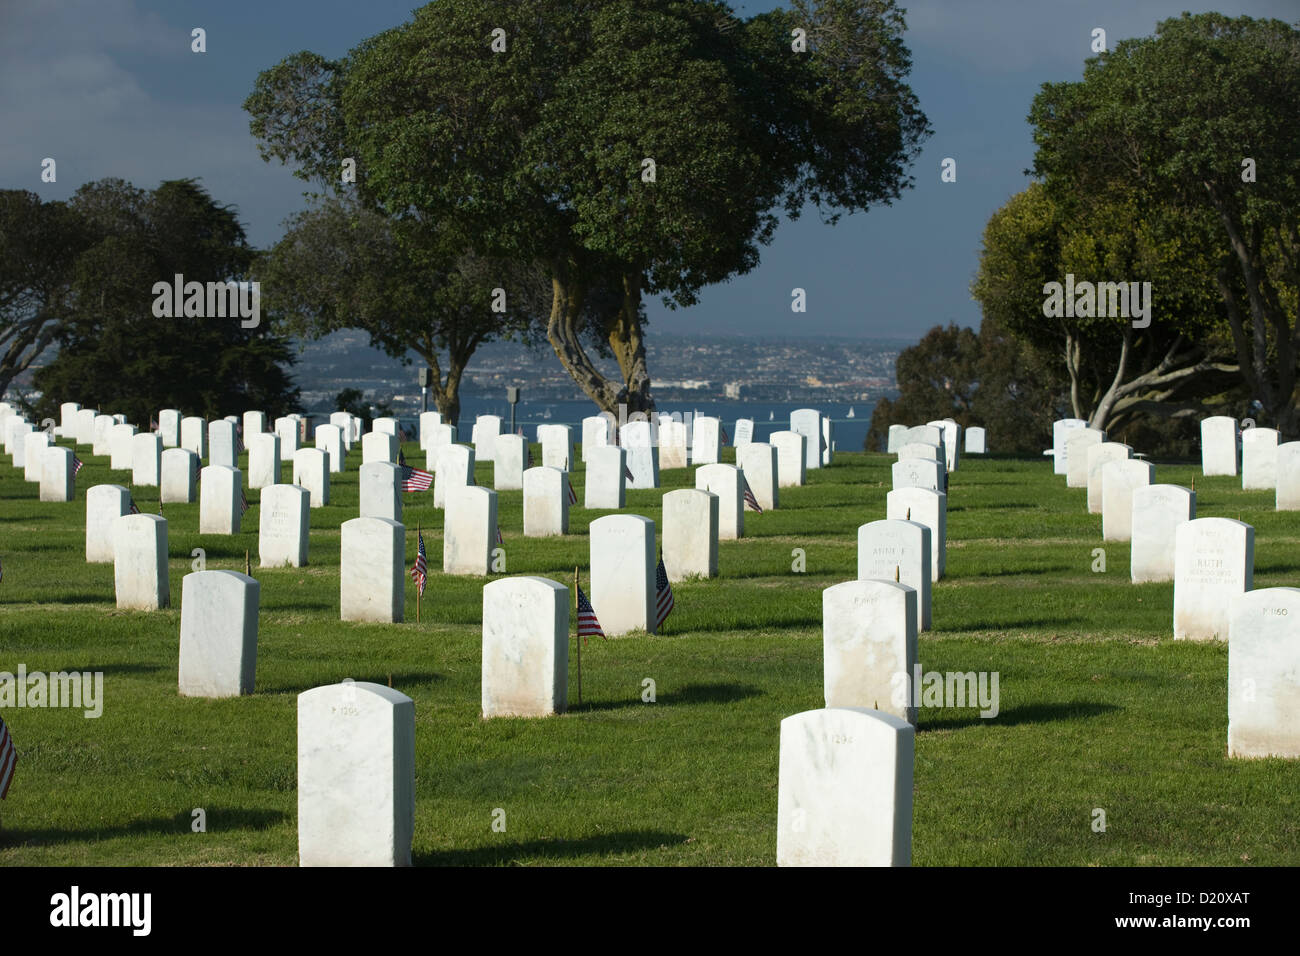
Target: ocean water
[{"x": 768, "y": 416}]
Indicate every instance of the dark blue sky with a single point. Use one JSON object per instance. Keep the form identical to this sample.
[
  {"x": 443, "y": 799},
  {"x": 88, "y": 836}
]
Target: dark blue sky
[{"x": 110, "y": 88}]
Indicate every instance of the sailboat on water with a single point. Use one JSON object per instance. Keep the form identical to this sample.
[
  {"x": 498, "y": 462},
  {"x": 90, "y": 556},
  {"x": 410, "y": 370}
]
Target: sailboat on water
[
  {"x": 850, "y": 415},
  {"x": 771, "y": 416}
]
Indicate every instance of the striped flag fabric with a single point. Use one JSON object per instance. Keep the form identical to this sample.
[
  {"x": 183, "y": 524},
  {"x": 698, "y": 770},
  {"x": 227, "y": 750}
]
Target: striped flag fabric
[
  {"x": 750, "y": 501},
  {"x": 663, "y": 595},
  {"x": 8, "y": 759},
  {"x": 627, "y": 473},
  {"x": 413, "y": 479},
  {"x": 243, "y": 502},
  {"x": 239, "y": 439},
  {"x": 528, "y": 450},
  {"x": 133, "y": 508},
  {"x": 573, "y": 495},
  {"x": 420, "y": 572},
  {"x": 726, "y": 439},
  {"x": 77, "y": 465},
  {"x": 588, "y": 625},
  {"x": 500, "y": 540}
]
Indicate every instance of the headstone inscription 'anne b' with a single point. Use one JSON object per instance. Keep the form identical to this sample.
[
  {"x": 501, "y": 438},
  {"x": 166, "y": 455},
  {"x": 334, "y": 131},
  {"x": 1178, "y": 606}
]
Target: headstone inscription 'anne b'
[{"x": 894, "y": 550}]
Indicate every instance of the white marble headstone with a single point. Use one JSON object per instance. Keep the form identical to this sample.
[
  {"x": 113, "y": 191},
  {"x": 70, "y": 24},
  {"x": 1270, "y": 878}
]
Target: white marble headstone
[
  {"x": 511, "y": 452},
  {"x": 790, "y": 458},
  {"x": 808, "y": 423},
  {"x": 218, "y": 655},
  {"x": 194, "y": 435},
  {"x": 381, "y": 490},
  {"x": 104, "y": 505},
  {"x": 455, "y": 470},
  {"x": 57, "y": 474},
  {"x": 1074, "y": 459},
  {"x": 557, "y": 446},
  {"x": 1218, "y": 445},
  {"x": 758, "y": 461},
  {"x": 1264, "y": 674},
  {"x": 725, "y": 481},
  {"x": 844, "y": 796},
  {"x": 525, "y": 647},
  {"x": 690, "y": 536},
  {"x": 356, "y": 776},
  {"x": 1259, "y": 459},
  {"x": 1119, "y": 480},
  {"x": 371, "y": 575},
  {"x": 120, "y": 456},
  {"x": 140, "y": 562},
  {"x": 606, "y": 479},
  {"x": 1061, "y": 429},
  {"x": 220, "y": 510},
  {"x": 1157, "y": 512},
  {"x": 311, "y": 471},
  {"x": 869, "y": 646},
  {"x": 642, "y": 457},
  {"x": 1214, "y": 561},
  {"x": 623, "y": 573},
  {"x": 469, "y": 530},
  {"x": 282, "y": 526},
  {"x": 486, "y": 430},
  {"x": 146, "y": 459},
  {"x": 1099, "y": 456},
  {"x": 329, "y": 439},
  {"x": 930, "y": 508},
  {"x": 263, "y": 459},
  {"x": 706, "y": 440},
  {"x": 894, "y": 550},
  {"x": 546, "y": 502}
]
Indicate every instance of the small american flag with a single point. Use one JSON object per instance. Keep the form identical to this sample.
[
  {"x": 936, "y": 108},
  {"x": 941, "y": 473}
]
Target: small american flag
[
  {"x": 401, "y": 434},
  {"x": 153, "y": 424},
  {"x": 528, "y": 450},
  {"x": 663, "y": 595},
  {"x": 500, "y": 540},
  {"x": 750, "y": 501},
  {"x": 588, "y": 626},
  {"x": 420, "y": 572},
  {"x": 198, "y": 470},
  {"x": 726, "y": 439},
  {"x": 133, "y": 508},
  {"x": 573, "y": 495},
  {"x": 239, "y": 439},
  {"x": 415, "y": 479},
  {"x": 8, "y": 759},
  {"x": 77, "y": 465},
  {"x": 627, "y": 473},
  {"x": 243, "y": 501}
]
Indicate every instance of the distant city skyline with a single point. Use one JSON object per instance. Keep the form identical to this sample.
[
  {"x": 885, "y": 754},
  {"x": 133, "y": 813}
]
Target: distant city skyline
[{"x": 109, "y": 88}]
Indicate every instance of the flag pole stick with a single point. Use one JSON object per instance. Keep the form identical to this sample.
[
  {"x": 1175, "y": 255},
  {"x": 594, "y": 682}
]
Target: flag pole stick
[{"x": 579, "y": 636}]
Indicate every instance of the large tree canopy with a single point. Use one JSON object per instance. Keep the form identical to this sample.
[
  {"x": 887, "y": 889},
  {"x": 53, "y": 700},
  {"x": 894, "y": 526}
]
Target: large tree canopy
[
  {"x": 645, "y": 145},
  {"x": 1202, "y": 120},
  {"x": 39, "y": 241},
  {"x": 115, "y": 353},
  {"x": 1117, "y": 369}
]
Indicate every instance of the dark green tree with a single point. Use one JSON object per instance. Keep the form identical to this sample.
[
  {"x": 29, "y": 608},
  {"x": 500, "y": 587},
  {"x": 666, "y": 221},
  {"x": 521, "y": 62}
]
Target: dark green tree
[
  {"x": 647, "y": 145},
  {"x": 1202, "y": 120},
  {"x": 113, "y": 351},
  {"x": 39, "y": 242}
]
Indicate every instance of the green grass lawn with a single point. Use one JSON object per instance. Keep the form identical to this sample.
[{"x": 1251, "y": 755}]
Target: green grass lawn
[{"x": 1100, "y": 708}]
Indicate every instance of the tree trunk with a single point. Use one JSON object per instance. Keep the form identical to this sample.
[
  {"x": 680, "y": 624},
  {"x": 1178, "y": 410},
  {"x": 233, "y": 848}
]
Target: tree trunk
[
  {"x": 567, "y": 294},
  {"x": 628, "y": 343}
]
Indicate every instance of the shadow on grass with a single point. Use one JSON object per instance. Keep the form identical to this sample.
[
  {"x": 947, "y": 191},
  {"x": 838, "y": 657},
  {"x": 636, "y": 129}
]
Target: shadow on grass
[
  {"x": 1019, "y": 572},
  {"x": 1028, "y": 714},
  {"x": 961, "y": 627},
  {"x": 400, "y": 679},
  {"x": 218, "y": 819},
  {"x": 506, "y": 853},
  {"x": 690, "y": 694}
]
